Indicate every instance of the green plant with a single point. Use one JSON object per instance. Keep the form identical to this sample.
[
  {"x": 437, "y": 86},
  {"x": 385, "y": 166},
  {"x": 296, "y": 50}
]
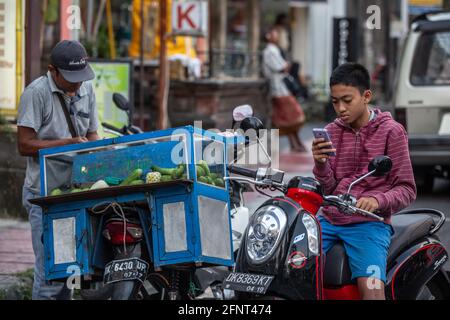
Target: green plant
[
  {"x": 22, "y": 289},
  {"x": 5, "y": 128},
  {"x": 2, "y": 120}
]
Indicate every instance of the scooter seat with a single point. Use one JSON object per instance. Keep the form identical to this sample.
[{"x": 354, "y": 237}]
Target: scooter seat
[
  {"x": 408, "y": 228},
  {"x": 337, "y": 269}
]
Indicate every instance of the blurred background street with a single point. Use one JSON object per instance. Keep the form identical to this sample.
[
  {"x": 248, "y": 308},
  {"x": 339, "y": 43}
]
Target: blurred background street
[{"x": 212, "y": 61}]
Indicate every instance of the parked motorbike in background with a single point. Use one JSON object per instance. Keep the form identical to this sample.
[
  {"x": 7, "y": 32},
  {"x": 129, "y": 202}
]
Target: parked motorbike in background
[
  {"x": 281, "y": 255},
  {"x": 123, "y": 104}
]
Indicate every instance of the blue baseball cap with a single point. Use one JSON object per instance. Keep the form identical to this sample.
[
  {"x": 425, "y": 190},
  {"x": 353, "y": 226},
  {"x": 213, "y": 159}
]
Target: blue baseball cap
[{"x": 71, "y": 59}]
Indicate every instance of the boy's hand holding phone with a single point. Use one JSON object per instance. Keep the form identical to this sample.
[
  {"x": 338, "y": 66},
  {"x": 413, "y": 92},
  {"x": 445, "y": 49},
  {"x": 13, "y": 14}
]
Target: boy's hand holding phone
[{"x": 322, "y": 148}]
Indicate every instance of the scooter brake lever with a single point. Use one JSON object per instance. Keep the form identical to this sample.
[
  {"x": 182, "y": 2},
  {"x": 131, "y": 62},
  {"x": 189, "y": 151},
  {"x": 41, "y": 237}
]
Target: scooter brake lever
[{"x": 370, "y": 214}]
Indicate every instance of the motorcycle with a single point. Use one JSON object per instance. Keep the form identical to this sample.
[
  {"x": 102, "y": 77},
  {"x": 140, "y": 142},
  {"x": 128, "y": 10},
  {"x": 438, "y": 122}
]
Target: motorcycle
[{"x": 281, "y": 253}]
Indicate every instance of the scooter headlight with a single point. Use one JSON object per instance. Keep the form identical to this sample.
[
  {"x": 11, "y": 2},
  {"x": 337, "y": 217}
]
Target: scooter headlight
[
  {"x": 264, "y": 233},
  {"x": 313, "y": 234}
]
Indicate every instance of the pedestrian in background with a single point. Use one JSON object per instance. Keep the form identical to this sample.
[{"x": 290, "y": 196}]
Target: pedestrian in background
[
  {"x": 287, "y": 114},
  {"x": 282, "y": 26}
]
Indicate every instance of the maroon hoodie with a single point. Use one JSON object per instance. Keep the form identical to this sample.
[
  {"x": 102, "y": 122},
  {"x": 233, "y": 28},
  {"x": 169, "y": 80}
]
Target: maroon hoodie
[{"x": 354, "y": 150}]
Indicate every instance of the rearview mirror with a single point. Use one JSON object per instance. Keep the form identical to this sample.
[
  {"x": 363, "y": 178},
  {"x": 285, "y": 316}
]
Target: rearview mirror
[
  {"x": 255, "y": 124},
  {"x": 382, "y": 165},
  {"x": 378, "y": 167},
  {"x": 242, "y": 112},
  {"x": 252, "y": 123},
  {"x": 121, "y": 102}
]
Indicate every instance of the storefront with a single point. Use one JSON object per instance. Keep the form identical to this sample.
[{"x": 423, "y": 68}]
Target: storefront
[
  {"x": 11, "y": 53},
  {"x": 227, "y": 56}
]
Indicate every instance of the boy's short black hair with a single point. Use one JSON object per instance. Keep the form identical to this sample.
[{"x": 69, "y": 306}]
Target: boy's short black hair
[{"x": 351, "y": 74}]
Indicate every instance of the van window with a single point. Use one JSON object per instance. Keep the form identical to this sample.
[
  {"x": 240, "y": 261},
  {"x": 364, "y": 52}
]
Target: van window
[{"x": 431, "y": 63}]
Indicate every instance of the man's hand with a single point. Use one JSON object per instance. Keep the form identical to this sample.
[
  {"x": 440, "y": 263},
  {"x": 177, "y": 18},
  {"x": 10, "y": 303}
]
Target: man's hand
[
  {"x": 369, "y": 204},
  {"x": 93, "y": 136},
  {"x": 78, "y": 140},
  {"x": 29, "y": 144},
  {"x": 321, "y": 155}
]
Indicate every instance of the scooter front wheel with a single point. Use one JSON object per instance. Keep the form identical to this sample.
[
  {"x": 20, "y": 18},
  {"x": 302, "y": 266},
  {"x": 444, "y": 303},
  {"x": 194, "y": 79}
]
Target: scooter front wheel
[
  {"x": 433, "y": 290},
  {"x": 99, "y": 291}
]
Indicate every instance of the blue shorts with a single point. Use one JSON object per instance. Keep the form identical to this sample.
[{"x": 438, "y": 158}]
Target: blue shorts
[{"x": 366, "y": 245}]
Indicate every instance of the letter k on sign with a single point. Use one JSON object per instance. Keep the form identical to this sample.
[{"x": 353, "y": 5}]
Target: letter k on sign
[
  {"x": 190, "y": 17},
  {"x": 184, "y": 15}
]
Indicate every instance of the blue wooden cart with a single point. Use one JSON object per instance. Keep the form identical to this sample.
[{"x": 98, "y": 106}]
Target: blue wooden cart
[{"x": 189, "y": 220}]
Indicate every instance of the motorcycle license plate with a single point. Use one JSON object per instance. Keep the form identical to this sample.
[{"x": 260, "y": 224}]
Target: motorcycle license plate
[
  {"x": 245, "y": 282},
  {"x": 124, "y": 270}
]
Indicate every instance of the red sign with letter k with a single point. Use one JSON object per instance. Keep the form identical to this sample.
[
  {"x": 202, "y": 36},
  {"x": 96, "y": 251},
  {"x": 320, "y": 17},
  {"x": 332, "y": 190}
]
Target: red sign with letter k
[{"x": 184, "y": 15}]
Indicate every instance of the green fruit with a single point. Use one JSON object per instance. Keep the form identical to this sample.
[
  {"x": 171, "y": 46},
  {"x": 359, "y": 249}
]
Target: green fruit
[
  {"x": 200, "y": 171},
  {"x": 136, "y": 182},
  {"x": 75, "y": 190},
  {"x": 56, "y": 192},
  {"x": 205, "y": 167},
  {"x": 178, "y": 172},
  {"x": 166, "y": 178},
  {"x": 214, "y": 176},
  {"x": 219, "y": 182},
  {"x": 135, "y": 175},
  {"x": 203, "y": 180},
  {"x": 210, "y": 181},
  {"x": 163, "y": 171}
]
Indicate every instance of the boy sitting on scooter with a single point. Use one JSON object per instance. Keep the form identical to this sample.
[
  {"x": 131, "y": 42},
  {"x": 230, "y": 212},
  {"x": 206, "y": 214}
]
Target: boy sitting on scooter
[{"x": 359, "y": 134}]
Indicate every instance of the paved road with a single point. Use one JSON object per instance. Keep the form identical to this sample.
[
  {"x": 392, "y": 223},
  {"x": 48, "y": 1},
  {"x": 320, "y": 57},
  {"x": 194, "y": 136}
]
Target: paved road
[{"x": 16, "y": 252}]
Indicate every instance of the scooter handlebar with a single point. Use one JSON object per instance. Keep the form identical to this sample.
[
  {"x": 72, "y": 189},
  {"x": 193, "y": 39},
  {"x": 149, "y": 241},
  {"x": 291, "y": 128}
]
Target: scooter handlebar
[
  {"x": 111, "y": 127},
  {"x": 348, "y": 208},
  {"x": 243, "y": 171}
]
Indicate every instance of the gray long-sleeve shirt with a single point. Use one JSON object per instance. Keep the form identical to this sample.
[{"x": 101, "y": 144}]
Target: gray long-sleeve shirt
[{"x": 40, "y": 109}]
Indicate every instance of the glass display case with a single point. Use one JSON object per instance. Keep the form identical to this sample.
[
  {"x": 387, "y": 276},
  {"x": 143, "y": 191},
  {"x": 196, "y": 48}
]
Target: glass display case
[{"x": 128, "y": 163}]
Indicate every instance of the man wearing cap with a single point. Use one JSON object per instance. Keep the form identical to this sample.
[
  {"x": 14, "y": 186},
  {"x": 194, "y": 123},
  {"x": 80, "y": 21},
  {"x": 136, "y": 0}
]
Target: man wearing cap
[{"x": 43, "y": 123}]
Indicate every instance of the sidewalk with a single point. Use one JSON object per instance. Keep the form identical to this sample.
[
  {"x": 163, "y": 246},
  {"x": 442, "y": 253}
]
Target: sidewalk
[{"x": 16, "y": 251}]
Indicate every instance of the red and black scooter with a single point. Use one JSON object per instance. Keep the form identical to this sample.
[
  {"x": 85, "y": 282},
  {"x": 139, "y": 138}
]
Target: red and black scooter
[{"x": 281, "y": 252}]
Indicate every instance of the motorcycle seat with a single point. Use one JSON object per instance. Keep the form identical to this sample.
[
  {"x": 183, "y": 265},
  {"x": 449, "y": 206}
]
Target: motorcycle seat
[
  {"x": 337, "y": 269},
  {"x": 408, "y": 228}
]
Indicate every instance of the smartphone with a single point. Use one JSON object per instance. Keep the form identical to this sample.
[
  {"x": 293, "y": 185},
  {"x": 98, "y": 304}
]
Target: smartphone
[{"x": 323, "y": 134}]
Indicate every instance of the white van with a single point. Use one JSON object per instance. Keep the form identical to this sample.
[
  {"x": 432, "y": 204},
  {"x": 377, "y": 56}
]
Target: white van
[{"x": 422, "y": 96}]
